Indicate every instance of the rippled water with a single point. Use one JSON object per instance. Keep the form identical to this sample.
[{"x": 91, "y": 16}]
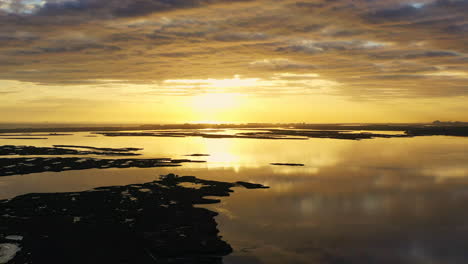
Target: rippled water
[{"x": 397, "y": 200}]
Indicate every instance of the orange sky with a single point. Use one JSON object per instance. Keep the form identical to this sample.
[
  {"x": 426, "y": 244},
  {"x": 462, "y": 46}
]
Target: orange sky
[{"x": 233, "y": 61}]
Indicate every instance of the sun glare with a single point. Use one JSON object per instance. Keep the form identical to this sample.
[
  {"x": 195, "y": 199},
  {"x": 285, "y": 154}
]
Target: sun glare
[
  {"x": 237, "y": 81},
  {"x": 214, "y": 101},
  {"x": 214, "y": 107}
]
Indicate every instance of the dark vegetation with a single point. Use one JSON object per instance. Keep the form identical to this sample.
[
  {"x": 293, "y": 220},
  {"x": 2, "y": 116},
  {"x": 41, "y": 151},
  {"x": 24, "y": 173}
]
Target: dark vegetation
[
  {"x": 35, "y": 135},
  {"x": 461, "y": 131},
  {"x": 198, "y": 134},
  {"x": 30, "y": 138},
  {"x": 31, "y": 150},
  {"x": 303, "y": 134},
  {"x": 100, "y": 149},
  {"x": 15, "y": 166},
  {"x": 154, "y": 222},
  {"x": 338, "y": 131},
  {"x": 289, "y": 134},
  {"x": 287, "y": 164}
]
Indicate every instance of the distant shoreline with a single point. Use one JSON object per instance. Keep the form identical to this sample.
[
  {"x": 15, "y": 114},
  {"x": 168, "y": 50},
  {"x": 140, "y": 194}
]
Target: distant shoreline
[{"x": 415, "y": 129}]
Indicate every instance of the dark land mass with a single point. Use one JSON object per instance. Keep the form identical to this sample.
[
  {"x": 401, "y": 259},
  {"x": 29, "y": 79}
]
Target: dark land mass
[
  {"x": 16, "y": 166},
  {"x": 198, "y": 155},
  {"x": 154, "y": 222},
  {"x": 100, "y": 149},
  {"x": 25, "y": 138},
  {"x": 198, "y": 134},
  {"x": 410, "y": 130},
  {"x": 34, "y": 135},
  {"x": 249, "y": 185},
  {"x": 303, "y": 134},
  {"x": 439, "y": 131},
  {"x": 31, "y": 150},
  {"x": 187, "y": 130},
  {"x": 317, "y": 134},
  {"x": 264, "y": 134},
  {"x": 285, "y": 133},
  {"x": 29, "y": 138},
  {"x": 287, "y": 164},
  {"x": 147, "y": 134},
  {"x": 330, "y": 130}
]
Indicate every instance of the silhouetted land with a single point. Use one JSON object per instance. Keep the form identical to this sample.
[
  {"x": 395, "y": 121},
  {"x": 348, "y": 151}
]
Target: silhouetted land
[
  {"x": 31, "y": 150},
  {"x": 328, "y": 130},
  {"x": 100, "y": 149},
  {"x": 287, "y": 164},
  {"x": 35, "y": 135},
  {"x": 264, "y": 134},
  {"x": 439, "y": 130},
  {"x": 285, "y": 133},
  {"x": 15, "y": 166},
  {"x": 29, "y": 138},
  {"x": 154, "y": 222},
  {"x": 201, "y": 134}
]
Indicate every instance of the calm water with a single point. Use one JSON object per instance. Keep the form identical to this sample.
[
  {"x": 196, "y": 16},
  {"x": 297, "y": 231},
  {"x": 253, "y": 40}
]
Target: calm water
[{"x": 400, "y": 200}]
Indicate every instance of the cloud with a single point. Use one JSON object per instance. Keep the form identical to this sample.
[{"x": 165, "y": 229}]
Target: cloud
[
  {"x": 276, "y": 84},
  {"x": 67, "y": 48},
  {"x": 415, "y": 12},
  {"x": 280, "y": 64},
  {"x": 20, "y": 6},
  {"x": 8, "y": 92},
  {"x": 395, "y": 14},
  {"x": 101, "y": 8},
  {"x": 370, "y": 49},
  {"x": 240, "y": 36},
  {"x": 404, "y": 54},
  {"x": 312, "y": 47},
  {"x": 15, "y": 36}
]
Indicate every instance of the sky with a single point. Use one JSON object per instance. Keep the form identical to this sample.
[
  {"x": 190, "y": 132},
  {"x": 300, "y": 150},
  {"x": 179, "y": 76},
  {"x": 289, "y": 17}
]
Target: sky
[{"x": 217, "y": 61}]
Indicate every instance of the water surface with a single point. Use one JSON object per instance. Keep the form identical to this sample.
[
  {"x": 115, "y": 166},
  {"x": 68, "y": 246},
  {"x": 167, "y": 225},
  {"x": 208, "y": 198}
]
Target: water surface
[{"x": 396, "y": 200}]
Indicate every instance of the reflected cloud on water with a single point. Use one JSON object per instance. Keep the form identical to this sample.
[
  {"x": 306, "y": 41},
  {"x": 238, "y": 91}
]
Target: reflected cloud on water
[{"x": 402, "y": 200}]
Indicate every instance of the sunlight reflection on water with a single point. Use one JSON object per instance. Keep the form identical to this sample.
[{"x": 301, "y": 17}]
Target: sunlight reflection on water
[{"x": 399, "y": 200}]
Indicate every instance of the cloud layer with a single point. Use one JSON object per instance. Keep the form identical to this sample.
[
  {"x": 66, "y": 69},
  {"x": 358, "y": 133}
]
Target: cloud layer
[{"x": 364, "y": 50}]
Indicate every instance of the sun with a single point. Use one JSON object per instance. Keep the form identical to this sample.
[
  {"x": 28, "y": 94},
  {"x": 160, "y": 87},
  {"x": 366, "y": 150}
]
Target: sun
[
  {"x": 214, "y": 107},
  {"x": 215, "y": 101}
]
